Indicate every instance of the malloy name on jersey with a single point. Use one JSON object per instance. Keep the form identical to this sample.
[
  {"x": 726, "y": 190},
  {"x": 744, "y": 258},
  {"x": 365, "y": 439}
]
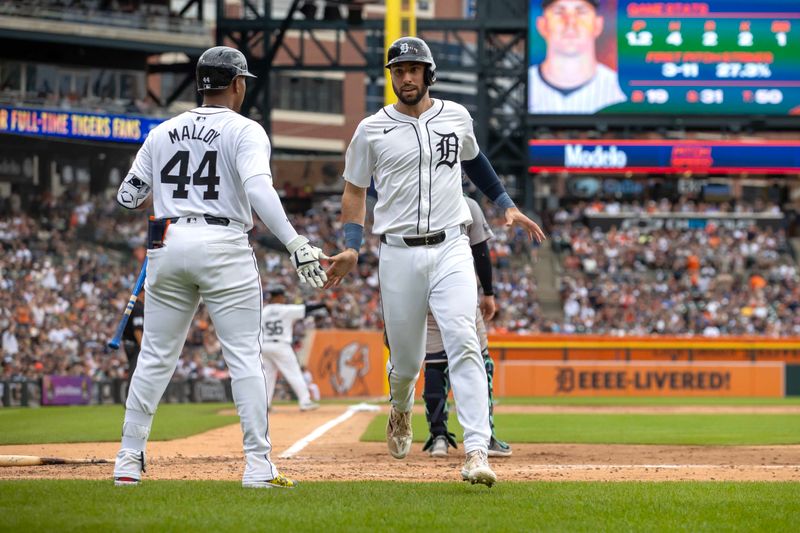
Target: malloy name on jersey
[
  {"x": 194, "y": 134},
  {"x": 576, "y": 157}
]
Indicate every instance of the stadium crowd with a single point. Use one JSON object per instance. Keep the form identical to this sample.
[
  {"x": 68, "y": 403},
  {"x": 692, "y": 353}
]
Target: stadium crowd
[
  {"x": 714, "y": 279},
  {"x": 67, "y": 268}
]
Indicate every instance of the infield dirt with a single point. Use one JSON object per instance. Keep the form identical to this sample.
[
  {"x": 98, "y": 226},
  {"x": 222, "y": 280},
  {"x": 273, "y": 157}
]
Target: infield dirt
[{"x": 340, "y": 455}]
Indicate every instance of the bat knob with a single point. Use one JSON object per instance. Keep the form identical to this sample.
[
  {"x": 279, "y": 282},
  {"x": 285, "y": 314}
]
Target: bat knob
[{"x": 113, "y": 345}]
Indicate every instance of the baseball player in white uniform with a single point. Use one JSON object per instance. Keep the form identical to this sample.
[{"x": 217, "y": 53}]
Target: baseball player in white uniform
[
  {"x": 414, "y": 150},
  {"x": 570, "y": 79},
  {"x": 437, "y": 378},
  {"x": 277, "y": 319},
  {"x": 207, "y": 168}
]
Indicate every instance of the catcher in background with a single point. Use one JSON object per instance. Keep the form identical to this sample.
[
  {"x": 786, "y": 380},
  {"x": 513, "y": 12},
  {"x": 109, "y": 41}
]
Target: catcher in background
[
  {"x": 437, "y": 377},
  {"x": 132, "y": 335}
]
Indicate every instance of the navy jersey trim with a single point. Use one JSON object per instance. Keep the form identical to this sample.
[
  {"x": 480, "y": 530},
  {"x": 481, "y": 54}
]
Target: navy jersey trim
[
  {"x": 430, "y": 165},
  {"x": 564, "y": 92},
  {"x": 419, "y": 169}
]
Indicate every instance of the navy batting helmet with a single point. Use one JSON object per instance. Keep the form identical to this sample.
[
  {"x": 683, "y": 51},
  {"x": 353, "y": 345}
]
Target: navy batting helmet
[
  {"x": 408, "y": 49},
  {"x": 219, "y": 66},
  {"x": 276, "y": 290}
]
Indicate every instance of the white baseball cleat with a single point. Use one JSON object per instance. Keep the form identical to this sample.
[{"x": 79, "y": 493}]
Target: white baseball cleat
[
  {"x": 398, "y": 433},
  {"x": 128, "y": 468},
  {"x": 477, "y": 470},
  {"x": 310, "y": 406},
  {"x": 438, "y": 447}
]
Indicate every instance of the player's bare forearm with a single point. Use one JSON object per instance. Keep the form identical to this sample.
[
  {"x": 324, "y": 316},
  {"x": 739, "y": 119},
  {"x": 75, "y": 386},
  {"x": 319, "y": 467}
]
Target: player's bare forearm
[
  {"x": 354, "y": 204},
  {"x": 354, "y": 209},
  {"x": 514, "y": 217}
]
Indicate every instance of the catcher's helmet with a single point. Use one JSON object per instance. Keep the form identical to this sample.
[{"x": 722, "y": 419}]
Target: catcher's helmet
[
  {"x": 219, "y": 66},
  {"x": 408, "y": 49}
]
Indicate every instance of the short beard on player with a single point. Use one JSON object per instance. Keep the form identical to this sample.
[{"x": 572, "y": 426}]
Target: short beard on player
[{"x": 410, "y": 101}]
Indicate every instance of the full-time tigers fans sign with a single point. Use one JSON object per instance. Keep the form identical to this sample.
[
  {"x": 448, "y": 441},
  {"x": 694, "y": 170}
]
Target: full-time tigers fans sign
[{"x": 76, "y": 125}]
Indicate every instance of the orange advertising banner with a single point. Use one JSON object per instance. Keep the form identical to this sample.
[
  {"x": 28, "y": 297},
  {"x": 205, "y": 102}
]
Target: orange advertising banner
[
  {"x": 348, "y": 363},
  {"x": 638, "y": 378},
  {"x": 546, "y": 346}
]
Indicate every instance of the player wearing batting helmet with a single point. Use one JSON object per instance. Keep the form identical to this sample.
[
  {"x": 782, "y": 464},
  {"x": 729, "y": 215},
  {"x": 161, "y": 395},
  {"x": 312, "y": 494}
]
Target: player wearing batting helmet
[
  {"x": 414, "y": 151},
  {"x": 208, "y": 170}
]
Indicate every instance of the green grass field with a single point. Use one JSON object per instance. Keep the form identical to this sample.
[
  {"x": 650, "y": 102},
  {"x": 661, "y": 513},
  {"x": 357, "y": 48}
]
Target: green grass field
[
  {"x": 79, "y": 505},
  {"x": 687, "y": 429},
  {"x": 103, "y": 423},
  {"x": 382, "y": 506}
]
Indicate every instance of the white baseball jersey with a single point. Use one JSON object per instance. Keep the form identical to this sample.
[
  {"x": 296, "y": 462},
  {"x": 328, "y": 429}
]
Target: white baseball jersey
[
  {"x": 416, "y": 165},
  {"x": 601, "y": 91},
  {"x": 277, "y": 319},
  {"x": 478, "y": 232},
  {"x": 187, "y": 162}
]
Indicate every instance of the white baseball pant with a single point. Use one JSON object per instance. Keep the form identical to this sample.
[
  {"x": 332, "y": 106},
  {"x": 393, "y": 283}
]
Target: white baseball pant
[
  {"x": 443, "y": 277},
  {"x": 279, "y": 356},
  {"x": 217, "y": 264}
]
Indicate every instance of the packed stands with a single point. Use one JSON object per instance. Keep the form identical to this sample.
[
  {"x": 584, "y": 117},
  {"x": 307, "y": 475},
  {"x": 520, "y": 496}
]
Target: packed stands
[
  {"x": 714, "y": 279},
  {"x": 67, "y": 270}
]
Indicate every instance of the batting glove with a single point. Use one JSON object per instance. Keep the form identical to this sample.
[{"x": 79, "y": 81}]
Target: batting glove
[{"x": 305, "y": 259}]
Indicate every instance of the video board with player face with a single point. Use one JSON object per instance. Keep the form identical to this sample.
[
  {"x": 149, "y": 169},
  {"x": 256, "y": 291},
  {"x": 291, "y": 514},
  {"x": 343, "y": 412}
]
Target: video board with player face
[{"x": 714, "y": 57}]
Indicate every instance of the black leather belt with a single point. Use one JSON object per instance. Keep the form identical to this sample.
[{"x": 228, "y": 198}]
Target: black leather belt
[
  {"x": 210, "y": 219},
  {"x": 422, "y": 240}
]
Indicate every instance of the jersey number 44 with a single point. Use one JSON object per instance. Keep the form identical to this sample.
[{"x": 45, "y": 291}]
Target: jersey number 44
[{"x": 204, "y": 176}]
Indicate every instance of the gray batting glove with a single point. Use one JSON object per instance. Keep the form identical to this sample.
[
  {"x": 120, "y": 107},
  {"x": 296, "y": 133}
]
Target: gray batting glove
[{"x": 305, "y": 259}]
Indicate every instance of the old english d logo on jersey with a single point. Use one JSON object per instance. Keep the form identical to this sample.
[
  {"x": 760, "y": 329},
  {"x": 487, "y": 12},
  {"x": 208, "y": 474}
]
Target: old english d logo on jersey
[{"x": 448, "y": 149}]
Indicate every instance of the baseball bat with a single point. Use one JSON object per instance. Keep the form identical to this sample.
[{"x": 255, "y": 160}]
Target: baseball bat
[
  {"x": 137, "y": 288},
  {"x": 33, "y": 460}
]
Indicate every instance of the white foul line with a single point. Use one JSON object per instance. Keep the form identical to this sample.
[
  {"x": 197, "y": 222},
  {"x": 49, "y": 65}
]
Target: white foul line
[{"x": 324, "y": 428}]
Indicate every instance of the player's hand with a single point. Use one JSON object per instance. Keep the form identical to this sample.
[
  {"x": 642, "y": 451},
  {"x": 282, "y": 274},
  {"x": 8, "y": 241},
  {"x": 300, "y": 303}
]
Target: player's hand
[
  {"x": 488, "y": 307},
  {"x": 305, "y": 259},
  {"x": 341, "y": 265},
  {"x": 515, "y": 217}
]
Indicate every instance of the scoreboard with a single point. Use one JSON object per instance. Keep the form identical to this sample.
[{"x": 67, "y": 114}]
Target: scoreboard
[{"x": 714, "y": 57}]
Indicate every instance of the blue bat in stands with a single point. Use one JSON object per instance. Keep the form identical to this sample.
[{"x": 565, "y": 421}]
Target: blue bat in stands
[{"x": 137, "y": 288}]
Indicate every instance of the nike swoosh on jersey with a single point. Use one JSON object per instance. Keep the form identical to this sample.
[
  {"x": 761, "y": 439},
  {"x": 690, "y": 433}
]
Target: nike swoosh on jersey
[{"x": 387, "y": 130}]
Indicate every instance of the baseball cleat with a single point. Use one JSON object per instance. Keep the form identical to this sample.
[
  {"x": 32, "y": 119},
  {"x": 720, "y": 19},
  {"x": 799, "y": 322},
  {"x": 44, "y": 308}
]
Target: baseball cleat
[
  {"x": 477, "y": 470},
  {"x": 310, "y": 406},
  {"x": 498, "y": 448},
  {"x": 398, "y": 433},
  {"x": 278, "y": 482},
  {"x": 439, "y": 447},
  {"x": 128, "y": 467}
]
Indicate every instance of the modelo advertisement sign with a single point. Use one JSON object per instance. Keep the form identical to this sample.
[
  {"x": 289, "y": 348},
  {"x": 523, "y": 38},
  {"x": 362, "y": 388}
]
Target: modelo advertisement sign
[
  {"x": 714, "y": 57},
  {"x": 670, "y": 157}
]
